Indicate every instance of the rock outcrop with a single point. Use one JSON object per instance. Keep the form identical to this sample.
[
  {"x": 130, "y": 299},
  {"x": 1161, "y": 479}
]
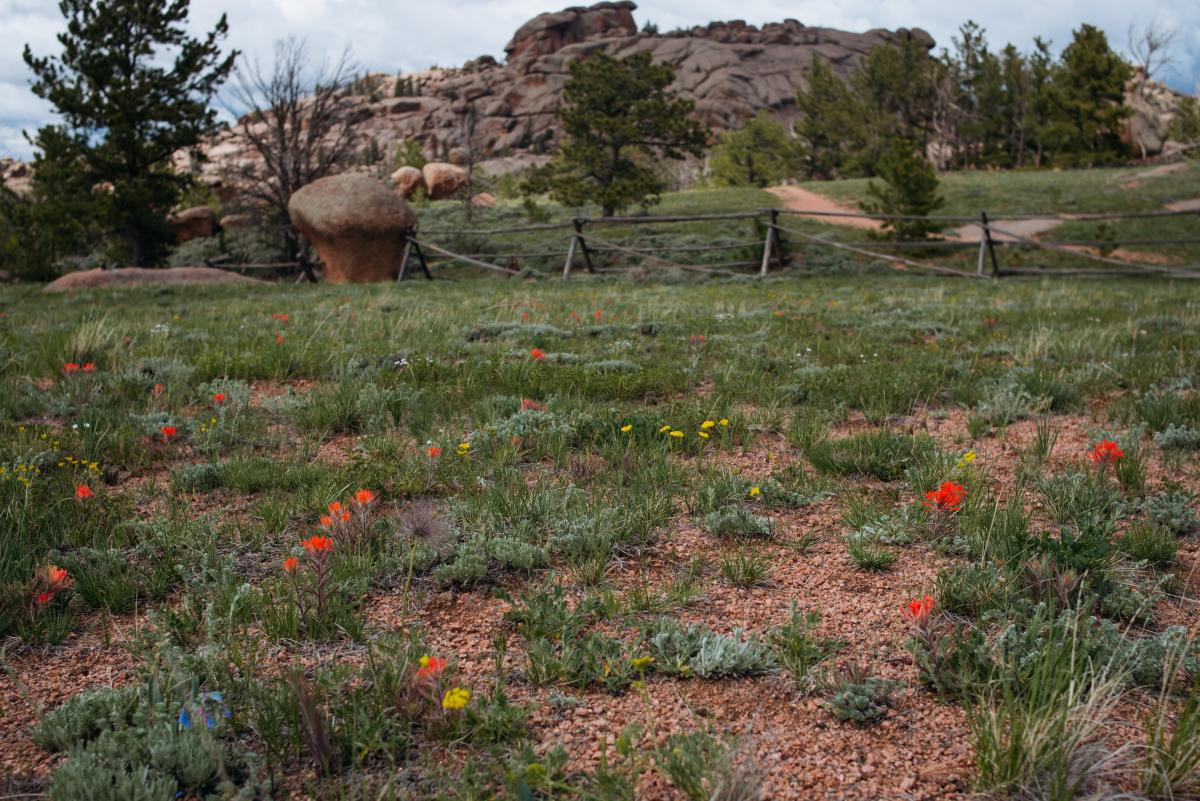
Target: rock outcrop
[
  {"x": 127, "y": 277},
  {"x": 356, "y": 224},
  {"x": 444, "y": 181},
  {"x": 407, "y": 181},
  {"x": 194, "y": 223},
  {"x": 730, "y": 70},
  {"x": 16, "y": 176},
  {"x": 1154, "y": 107}
]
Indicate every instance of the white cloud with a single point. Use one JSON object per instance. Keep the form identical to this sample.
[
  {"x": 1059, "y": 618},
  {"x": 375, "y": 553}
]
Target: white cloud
[{"x": 392, "y": 35}]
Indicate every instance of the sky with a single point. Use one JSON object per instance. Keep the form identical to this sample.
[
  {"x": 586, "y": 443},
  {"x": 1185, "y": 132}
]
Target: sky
[{"x": 404, "y": 35}]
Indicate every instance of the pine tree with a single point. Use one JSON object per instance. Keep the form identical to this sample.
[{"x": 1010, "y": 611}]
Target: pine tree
[
  {"x": 910, "y": 188},
  {"x": 897, "y": 87},
  {"x": 757, "y": 154},
  {"x": 619, "y": 119},
  {"x": 829, "y": 124},
  {"x": 1087, "y": 97},
  {"x": 132, "y": 88}
]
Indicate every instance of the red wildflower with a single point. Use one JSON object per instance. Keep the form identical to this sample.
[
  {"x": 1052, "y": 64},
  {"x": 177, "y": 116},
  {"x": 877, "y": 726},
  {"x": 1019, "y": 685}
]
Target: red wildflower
[
  {"x": 1106, "y": 452},
  {"x": 326, "y": 521},
  {"x": 575, "y": 316},
  {"x": 168, "y": 431},
  {"x": 434, "y": 451},
  {"x": 946, "y": 498},
  {"x": 317, "y": 544},
  {"x": 44, "y": 598},
  {"x": 524, "y": 317},
  {"x": 335, "y": 508},
  {"x": 158, "y": 389},
  {"x": 70, "y": 367},
  {"x": 917, "y": 610},
  {"x": 527, "y": 404},
  {"x": 218, "y": 398},
  {"x": 283, "y": 318},
  {"x": 290, "y": 564},
  {"x": 431, "y": 667},
  {"x": 55, "y": 576},
  {"x": 83, "y": 492},
  {"x": 696, "y": 339},
  {"x": 278, "y": 337},
  {"x": 89, "y": 367},
  {"x": 364, "y": 497},
  {"x": 537, "y": 354},
  {"x": 598, "y": 313}
]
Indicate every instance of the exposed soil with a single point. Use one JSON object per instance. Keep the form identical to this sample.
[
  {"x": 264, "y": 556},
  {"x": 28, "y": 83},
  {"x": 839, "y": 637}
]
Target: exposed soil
[{"x": 802, "y": 752}]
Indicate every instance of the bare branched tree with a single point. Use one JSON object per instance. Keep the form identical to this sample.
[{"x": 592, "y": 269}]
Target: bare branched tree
[
  {"x": 1150, "y": 47},
  {"x": 294, "y": 117}
]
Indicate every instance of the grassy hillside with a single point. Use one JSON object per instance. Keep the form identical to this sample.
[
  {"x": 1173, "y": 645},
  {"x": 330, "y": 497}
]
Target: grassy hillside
[{"x": 1045, "y": 191}]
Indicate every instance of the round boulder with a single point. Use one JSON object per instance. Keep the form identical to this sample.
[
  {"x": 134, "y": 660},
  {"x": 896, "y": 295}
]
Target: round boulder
[
  {"x": 356, "y": 224},
  {"x": 407, "y": 181},
  {"x": 194, "y": 223},
  {"x": 443, "y": 180}
]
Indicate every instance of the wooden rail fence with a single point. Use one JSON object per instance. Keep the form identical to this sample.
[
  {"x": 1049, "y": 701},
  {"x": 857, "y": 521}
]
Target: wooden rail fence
[{"x": 585, "y": 247}]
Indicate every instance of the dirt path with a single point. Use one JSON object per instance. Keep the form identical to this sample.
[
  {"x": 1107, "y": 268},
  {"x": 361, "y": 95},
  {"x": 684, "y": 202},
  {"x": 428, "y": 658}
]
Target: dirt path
[
  {"x": 1191, "y": 204},
  {"x": 797, "y": 199}
]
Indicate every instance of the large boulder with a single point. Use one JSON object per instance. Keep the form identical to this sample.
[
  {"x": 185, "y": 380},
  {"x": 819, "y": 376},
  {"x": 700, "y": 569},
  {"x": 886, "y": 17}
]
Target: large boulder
[
  {"x": 407, "y": 181},
  {"x": 194, "y": 223},
  {"x": 1153, "y": 107},
  {"x": 356, "y": 224},
  {"x": 443, "y": 180}
]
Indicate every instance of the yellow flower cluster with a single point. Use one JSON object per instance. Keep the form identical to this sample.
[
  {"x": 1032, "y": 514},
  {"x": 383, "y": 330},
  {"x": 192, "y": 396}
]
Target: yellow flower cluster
[
  {"x": 21, "y": 473},
  {"x": 967, "y": 458},
  {"x": 79, "y": 463},
  {"x": 464, "y": 448},
  {"x": 212, "y": 423},
  {"x": 455, "y": 698},
  {"x": 704, "y": 432}
]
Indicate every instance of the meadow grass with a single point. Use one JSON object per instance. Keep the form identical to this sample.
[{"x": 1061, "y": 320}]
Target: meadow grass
[{"x": 550, "y": 445}]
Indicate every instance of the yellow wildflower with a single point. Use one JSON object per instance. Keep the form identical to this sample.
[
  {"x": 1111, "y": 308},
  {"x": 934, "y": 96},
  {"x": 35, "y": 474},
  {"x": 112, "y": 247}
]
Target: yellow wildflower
[
  {"x": 664, "y": 429},
  {"x": 625, "y": 429},
  {"x": 967, "y": 458},
  {"x": 677, "y": 434},
  {"x": 464, "y": 448},
  {"x": 455, "y": 698},
  {"x": 703, "y": 434},
  {"x": 424, "y": 660},
  {"x": 641, "y": 662},
  {"x": 707, "y": 424},
  {"x": 755, "y": 492},
  {"x": 724, "y": 421}
]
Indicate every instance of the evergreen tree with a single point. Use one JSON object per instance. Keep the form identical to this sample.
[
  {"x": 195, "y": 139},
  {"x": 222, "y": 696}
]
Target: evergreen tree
[
  {"x": 757, "y": 154},
  {"x": 618, "y": 118},
  {"x": 132, "y": 88},
  {"x": 1087, "y": 97},
  {"x": 897, "y": 87},
  {"x": 910, "y": 188},
  {"x": 828, "y": 125}
]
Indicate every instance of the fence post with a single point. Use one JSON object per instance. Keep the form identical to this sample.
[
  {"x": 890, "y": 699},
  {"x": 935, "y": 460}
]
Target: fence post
[
  {"x": 768, "y": 241},
  {"x": 579, "y": 222},
  {"x": 404, "y": 258},
  {"x": 570, "y": 257},
  {"x": 991, "y": 246},
  {"x": 983, "y": 237}
]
